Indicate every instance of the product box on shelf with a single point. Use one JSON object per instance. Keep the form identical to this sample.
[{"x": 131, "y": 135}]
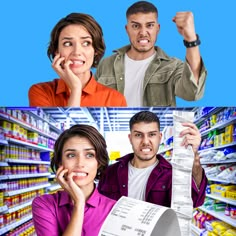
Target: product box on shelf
[
  {"x": 219, "y": 139},
  {"x": 33, "y": 137},
  {"x": 26, "y": 117},
  {"x": 45, "y": 156},
  {"x": 40, "y": 124},
  {"x": 3, "y": 109},
  {"x": 233, "y": 212},
  {"x": 204, "y": 111},
  {"x": 222, "y": 189},
  {"x": 167, "y": 133},
  {"x": 32, "y": 121},
  {"x": 231, "y": 194},
  {"x": 13, "y": 113},
  {"x": 7, "y": 127},
  {"x": 229, "y": 134},
  {"x": 1, "y": 133},
  {"x": 219, "y": 227},
  {"x": 219, "y": 206},
  {"x": 16, "y": 130},
  {"x": 51, "y": 143}
]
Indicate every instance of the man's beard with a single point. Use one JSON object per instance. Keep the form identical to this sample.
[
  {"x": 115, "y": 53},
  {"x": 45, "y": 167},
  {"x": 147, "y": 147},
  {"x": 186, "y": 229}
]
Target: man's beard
[
  {"x": 145, "y": 158},
  {"x": 142, "y": 50}
]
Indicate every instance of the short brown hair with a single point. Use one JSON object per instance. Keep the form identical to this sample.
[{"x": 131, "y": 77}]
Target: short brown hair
[
  {"x": 144, "y": 116},
  {"x": 90, "y": 24},
  {"x": 141, "y": 7},
  {"x": 86, "y": 131}
]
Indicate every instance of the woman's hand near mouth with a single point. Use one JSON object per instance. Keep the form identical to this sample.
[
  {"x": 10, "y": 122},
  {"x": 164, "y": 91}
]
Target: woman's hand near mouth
[
  {"x": 68, "y": 184},
  {"x": 73, "y": 82}
]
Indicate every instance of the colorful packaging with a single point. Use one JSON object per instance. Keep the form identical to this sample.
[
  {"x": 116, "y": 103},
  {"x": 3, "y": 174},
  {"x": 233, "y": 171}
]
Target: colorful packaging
[
  {"x": 229, "y": 134},
  {"x": 233, "y": 212},
  {"x": 230, "y": 232}
]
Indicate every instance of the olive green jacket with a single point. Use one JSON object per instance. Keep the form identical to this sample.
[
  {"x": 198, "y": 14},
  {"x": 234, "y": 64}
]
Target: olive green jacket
[{"x": 164, "y": 79}]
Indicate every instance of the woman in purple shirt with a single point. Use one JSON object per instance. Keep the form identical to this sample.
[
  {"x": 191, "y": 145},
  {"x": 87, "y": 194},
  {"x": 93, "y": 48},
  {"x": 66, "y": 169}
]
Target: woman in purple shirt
[{"x": 80, "y": 156}]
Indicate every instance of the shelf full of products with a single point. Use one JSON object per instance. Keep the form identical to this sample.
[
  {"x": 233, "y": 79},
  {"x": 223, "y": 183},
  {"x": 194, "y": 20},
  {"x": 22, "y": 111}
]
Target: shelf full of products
[
  {"x": 26, "y": 144},
  {"x": 217, "y": 216}
]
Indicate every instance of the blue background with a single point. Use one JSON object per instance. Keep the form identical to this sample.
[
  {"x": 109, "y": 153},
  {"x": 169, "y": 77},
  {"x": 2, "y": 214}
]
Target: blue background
[{"x": 26, "y": 27}]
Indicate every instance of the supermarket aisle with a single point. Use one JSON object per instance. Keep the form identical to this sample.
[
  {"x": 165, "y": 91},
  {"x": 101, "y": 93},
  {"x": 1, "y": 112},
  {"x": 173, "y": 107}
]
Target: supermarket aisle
[
  {"x": 217, "y": 216},
  {"x": 26, "y": 142}
]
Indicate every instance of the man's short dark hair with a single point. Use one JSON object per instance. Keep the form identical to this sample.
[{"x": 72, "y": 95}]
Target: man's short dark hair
[
  {"x": 144, "y": 116},
  {"x": 141, "y": 7}
]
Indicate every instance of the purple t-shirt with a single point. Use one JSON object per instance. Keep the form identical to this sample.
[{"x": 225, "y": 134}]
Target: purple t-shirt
[{"x": 52, "y": 213}]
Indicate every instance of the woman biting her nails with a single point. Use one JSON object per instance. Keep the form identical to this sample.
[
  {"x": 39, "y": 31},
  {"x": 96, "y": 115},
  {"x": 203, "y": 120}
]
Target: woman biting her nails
[
  {"x": 76, "y": 45},
  {"x": 80, "y": 157}
]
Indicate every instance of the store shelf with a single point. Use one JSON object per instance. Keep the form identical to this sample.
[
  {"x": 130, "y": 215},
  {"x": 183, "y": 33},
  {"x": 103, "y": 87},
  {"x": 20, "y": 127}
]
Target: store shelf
[
  {"x": 53, "y": 187},
  {"x": 22, "y": 161},
  {"x": 218, "y": 147},
  {"x": 15, "y": 120},
  {"x": 16, "y": 141},
  {"x": 3, "y": 142},
  {"x": 18, "y": 207},
  {"x": 218, "y": 162},
  {"x": 223, "y": 199},
  {"x": 2, "y": 163},
  {"x": 24, "y": 176},
  {"x": 221, "y": 216},
  {"x": 210, "y": 112},
  {"x": 51, "y": 176},
  {"x": 51, "y": 133},
  {"x": 51, "y": 126},
  {"x": 3, "y": 208},
  {"x": 3, "y": 186},
  {"x": 221, "y": 180},
  {"x": 4, "y": 116},
  {"x": 43, "y": 133},
  {"x": 15, "y": 224},
  {"x": 25, "y": 190},
  {"x": 165, "y": 150},
  {"x": 26, "y": 125},
  {"x": 196, "y": 230},
  {"x": 3, "y": 177},
  {"x": 220, "y": 125}
]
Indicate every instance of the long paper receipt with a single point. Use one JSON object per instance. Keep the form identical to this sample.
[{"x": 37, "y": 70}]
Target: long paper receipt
[{"x": 138, "y": 218}]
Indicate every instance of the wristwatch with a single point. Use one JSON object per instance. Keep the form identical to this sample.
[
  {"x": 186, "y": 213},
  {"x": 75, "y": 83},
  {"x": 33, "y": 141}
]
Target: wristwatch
[{"x": 193, "y": 43}]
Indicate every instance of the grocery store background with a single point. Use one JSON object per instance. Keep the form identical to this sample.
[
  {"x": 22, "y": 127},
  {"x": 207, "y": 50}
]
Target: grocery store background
[
  {"x": 27, "y": 136},
  {"x": 26, "y": 26}
]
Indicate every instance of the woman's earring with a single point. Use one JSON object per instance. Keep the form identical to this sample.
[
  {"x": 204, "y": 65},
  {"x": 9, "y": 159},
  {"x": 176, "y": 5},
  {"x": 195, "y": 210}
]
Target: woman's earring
[{"x": 95, "y": 61}]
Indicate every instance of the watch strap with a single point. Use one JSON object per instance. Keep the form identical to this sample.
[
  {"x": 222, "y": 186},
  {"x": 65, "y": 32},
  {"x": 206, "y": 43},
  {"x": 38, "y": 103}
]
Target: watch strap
[{"x": 193, "y": 43}]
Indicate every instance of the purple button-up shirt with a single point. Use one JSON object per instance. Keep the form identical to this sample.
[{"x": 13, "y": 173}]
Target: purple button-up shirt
[
  {"x": 52, "y": 213},
  {"x": 114, "y": 183}
]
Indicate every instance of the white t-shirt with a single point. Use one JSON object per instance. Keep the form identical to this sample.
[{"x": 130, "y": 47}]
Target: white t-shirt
[
  {"x": 137, "y": 180},
  {"x": 134, "y": 76}
]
